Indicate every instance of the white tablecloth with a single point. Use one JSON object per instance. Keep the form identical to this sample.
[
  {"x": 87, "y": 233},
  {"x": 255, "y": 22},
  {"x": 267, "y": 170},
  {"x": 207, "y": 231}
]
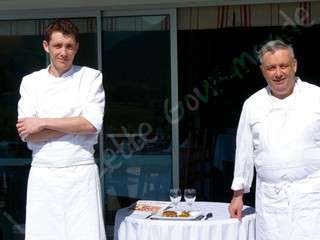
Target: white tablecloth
[{"x": 134, "y": 225}]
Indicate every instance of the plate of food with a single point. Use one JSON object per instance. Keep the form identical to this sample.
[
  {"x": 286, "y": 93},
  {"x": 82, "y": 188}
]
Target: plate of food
[
  {"x": 149, "y": 206},
  {"x": 176, "y": 215}
]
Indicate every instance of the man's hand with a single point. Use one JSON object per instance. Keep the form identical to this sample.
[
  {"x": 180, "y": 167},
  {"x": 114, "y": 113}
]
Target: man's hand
[
  {"x": 27, "y": 126},
  {"x": 236, "y": 205}
]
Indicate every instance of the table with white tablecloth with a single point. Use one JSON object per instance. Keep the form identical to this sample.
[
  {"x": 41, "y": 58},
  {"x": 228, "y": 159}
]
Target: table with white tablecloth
[{"x": 133, "y": 225}]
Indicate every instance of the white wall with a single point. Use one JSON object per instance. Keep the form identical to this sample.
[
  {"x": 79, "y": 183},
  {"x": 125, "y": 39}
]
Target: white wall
[{"x": 119, "y": 4}]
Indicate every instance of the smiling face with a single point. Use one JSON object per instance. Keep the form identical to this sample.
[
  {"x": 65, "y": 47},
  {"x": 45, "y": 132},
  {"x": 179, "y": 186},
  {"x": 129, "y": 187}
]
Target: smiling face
[
  {"x": 279, "y": 68},
  {"x": 62, "y": 50}
]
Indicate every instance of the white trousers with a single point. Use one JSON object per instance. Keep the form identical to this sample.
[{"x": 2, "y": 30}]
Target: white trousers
[{"x": 64, "y": 204}]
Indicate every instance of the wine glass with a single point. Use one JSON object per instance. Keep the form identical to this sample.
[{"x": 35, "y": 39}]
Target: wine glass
[
  {"x": 190, "y": 196},
  {"x": 175, "y": 196}
]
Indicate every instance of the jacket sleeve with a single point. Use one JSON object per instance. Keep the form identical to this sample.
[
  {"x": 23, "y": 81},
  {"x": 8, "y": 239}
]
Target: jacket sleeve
[
  {"x": 93, "y": 108},
  {"x": 27, "y": 101},
  {"x": 244, "y": 163}
]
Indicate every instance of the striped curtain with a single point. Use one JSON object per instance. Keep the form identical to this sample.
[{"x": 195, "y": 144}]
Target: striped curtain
[
  {"x": 305, "y": 13},
  {"x": 231, "y": 16},
  {"x": 280, "y": 14},
  {"x": 23, "y": 27}
]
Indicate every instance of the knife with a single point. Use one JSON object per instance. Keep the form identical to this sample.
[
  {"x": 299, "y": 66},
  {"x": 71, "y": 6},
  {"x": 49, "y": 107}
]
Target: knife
[{"x": 199, "y": 217}]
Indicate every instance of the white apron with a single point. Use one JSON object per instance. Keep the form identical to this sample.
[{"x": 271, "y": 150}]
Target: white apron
[
  {"x": 64, "y": 204},
  {"x": 287, "y": 160}
]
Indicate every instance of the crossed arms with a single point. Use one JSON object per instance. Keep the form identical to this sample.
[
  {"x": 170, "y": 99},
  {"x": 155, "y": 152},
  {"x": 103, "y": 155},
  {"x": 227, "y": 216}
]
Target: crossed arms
[
  {"x": 44, "y": 129},
  {"x": 34, "y": 127}
]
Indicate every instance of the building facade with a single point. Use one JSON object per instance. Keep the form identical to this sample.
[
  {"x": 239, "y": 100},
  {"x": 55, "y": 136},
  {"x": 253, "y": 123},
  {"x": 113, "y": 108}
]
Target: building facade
[{"x": 175, "y": 74}]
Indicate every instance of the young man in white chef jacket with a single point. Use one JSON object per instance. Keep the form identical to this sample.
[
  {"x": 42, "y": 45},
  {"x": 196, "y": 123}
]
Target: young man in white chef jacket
[{"x": 60, "y": 114}]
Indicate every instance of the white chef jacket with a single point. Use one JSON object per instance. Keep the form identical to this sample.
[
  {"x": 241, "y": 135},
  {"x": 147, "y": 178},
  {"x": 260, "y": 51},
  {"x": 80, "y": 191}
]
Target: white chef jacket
[
  {"x": 63, "y": 197},
  {"x": 78, "y": 92},
  {"x": 281, "y": 139}
]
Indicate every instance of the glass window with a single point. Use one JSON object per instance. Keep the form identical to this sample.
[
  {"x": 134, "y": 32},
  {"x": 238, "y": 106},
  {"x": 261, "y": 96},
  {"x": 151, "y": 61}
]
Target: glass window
[
  {"x": 20, "y": 54},
  {"x": 216, "y": 75},
  {"x": 137, "y": 70}
]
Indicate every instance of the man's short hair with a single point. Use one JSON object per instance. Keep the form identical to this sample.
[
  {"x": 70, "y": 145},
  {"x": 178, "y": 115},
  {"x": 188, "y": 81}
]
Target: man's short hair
[
  {"x": 66, "y": 27},
  {"x": 273, "y": 46}
]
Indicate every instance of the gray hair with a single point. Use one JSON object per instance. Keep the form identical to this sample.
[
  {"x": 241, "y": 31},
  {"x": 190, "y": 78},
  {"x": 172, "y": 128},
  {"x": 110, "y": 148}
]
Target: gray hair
[{"x": 273, "y": 46}]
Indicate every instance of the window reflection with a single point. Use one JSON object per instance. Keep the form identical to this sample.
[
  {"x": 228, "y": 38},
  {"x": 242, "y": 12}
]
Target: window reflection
[
  {"x": 138, "y": 160},
  {"x": 19, "y": 55}
]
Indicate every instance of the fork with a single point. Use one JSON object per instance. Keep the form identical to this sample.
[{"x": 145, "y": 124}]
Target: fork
[{"x": 209, "y": 215}]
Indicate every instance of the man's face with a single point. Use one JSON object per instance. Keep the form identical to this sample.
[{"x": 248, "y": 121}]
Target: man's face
[
  {"x": 62, "y": 50},
  {"x": 279, "y": 70}
]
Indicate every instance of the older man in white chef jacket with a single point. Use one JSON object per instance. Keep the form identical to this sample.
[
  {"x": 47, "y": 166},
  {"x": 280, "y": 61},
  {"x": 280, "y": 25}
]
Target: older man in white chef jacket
[
  {"x": 279, "y": 135},
  {"x": 60, "y": 114}
]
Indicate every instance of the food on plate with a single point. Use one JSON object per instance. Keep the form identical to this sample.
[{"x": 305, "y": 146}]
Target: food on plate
[
  {"x": 169, "y": 213},
  {"x": 144, "y": 207},
  {"x": 184, "y": 214}
]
